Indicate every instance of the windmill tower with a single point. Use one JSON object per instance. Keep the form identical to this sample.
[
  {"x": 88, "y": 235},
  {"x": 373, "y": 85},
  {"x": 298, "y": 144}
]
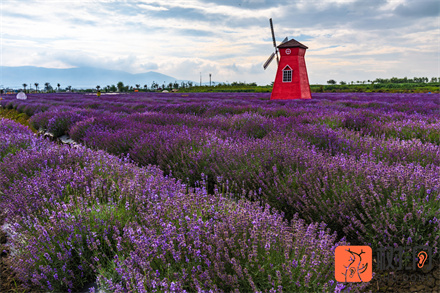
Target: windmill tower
[{"x": 291, "y": 80}]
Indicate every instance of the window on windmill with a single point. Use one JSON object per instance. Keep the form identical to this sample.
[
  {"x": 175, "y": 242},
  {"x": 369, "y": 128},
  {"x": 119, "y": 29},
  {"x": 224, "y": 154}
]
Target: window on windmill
[{"x": 287, "y": 74}]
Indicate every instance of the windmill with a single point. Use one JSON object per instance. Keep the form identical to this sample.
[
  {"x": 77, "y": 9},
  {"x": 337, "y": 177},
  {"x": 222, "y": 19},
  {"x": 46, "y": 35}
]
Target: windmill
[
  {"x": 291, "y": 80},
  {"x": 269, "y": 60}
]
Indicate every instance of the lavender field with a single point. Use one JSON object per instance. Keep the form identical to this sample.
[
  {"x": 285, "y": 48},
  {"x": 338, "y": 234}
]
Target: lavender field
[{"x": 215, "y": 191}]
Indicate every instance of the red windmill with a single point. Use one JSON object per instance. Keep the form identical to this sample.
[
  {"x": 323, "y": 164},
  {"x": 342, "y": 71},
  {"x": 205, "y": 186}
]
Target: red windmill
[{"x": 291, "y": 80}]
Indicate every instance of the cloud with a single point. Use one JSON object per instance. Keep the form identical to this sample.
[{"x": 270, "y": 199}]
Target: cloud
[
  {"x": 82, "y": 21},
  {"x": 149, "y": 66},
  {"x": 152, "y": 7},
  {"x": 250, "y": 4},
  {"x": 229, "y": 38},
  {"x": 418, "y": 9},
  {"x": 70, "y": 59}
]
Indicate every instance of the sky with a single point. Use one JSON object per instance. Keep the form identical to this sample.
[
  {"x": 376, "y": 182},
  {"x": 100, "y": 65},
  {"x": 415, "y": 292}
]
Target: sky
[{"x": 348, "y": 40}]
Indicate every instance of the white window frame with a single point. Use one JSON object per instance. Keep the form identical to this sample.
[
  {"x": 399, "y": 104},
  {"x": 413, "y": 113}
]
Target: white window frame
[{"x": 287, "y": 74}]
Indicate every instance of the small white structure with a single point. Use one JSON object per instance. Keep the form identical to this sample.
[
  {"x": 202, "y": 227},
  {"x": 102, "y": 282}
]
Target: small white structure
[{"x": 21, "y": 96}]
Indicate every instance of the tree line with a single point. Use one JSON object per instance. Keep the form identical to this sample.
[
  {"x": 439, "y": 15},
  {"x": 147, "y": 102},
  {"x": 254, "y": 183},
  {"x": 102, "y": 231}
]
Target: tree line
[
  {"x": 389, "y": 80},
  {"x": 119, "y": 87},
  {"x": 378, "y": 83}
]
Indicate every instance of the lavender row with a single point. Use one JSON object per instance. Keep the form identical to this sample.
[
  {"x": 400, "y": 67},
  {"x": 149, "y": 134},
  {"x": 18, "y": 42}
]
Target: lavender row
[
  {"x": 224, "y": 149},
  {"x": 357, "y": 197},
  {"x": 233, "y": 103},
  {"x": 293, "y": 176},
  {"x": 60, "y": 120},
  {"x": 405, "y": 127},
  {"x": 76, "y": 215},
  {"x": 120, "y": 134},
  {"x": 404, "y": 117},
  {"x": 242, "y": 150},
  {"x": 351, "y": 142}
]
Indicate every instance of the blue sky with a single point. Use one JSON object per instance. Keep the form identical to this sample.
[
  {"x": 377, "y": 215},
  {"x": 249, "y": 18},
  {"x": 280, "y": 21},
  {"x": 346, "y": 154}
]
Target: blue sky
[{"x": 347, "y": 40}]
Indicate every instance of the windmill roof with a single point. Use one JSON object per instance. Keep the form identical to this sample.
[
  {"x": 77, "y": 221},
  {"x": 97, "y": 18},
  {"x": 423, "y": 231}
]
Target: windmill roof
[{"x": 291, "y": 44}]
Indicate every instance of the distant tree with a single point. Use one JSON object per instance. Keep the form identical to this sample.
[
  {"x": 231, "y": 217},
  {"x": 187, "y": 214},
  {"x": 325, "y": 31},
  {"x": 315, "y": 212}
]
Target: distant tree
[
  {"x": 36, "y": 86},
  {"x": 113, "y": 88},
  {"x": 381, "y": 80},
  {"x": 69, "y": 88},
  {"x": 331, "y": 81},
  {"x": 24, "y": 86},
  {"x": 58, "y": 85},
  {"x": 145, "y": 87},
  {"x": 175, "y": 85},
  {"x": 138, "y": 86},
  {"x": 434, "y": 79},
  {"x": 98, "y": 87},
  {"x": 120, "y": 86},
  {"x": 46, "y": 86},
  {"x": 342, "y": 83}
]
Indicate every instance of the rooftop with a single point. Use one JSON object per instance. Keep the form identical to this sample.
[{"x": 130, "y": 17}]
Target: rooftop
[{"x": 291, "y": 44}]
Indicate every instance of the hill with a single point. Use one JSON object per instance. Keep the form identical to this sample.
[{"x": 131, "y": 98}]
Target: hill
[{"x": 81, "y": 77}]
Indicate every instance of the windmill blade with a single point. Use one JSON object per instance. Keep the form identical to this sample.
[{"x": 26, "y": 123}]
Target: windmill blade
[
  {"x": 268, "y": 61},
  {"x": 273, "y": 39},
  {"x": 285, "y": 40},
  {"x": 273, "y": 34}
]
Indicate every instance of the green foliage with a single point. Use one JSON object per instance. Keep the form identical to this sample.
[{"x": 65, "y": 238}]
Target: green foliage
[
  {"x": 378, "y": 87},
  {"x": 234, "y": 87},
  {"x": 21, "y": 118}
]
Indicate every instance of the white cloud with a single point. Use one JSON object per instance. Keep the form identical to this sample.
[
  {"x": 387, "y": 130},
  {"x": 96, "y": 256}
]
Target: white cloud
[{"x": 152, "y": 7}]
